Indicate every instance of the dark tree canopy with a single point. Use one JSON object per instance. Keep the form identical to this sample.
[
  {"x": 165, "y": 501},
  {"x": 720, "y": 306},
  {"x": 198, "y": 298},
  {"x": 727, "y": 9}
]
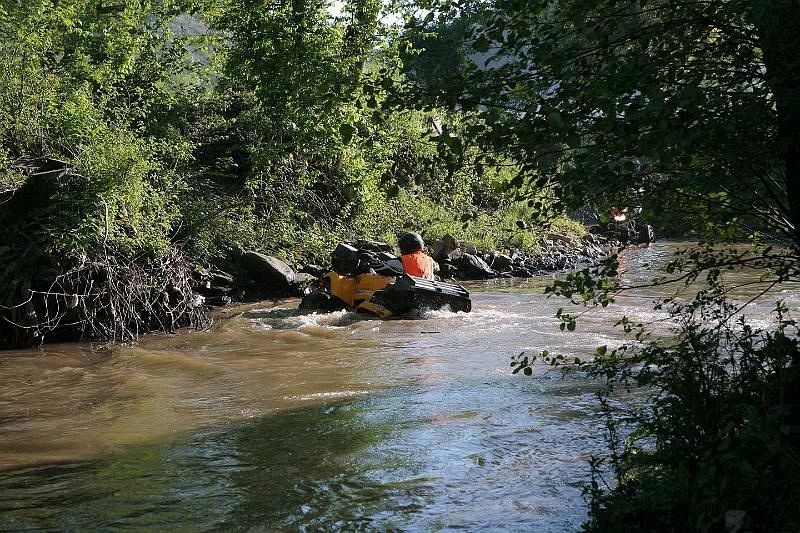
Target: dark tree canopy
[{"x": 689, "y": 108}]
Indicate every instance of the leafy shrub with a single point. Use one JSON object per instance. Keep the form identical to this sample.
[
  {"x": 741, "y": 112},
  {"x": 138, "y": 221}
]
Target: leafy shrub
[{"x": 716, "y": 437}]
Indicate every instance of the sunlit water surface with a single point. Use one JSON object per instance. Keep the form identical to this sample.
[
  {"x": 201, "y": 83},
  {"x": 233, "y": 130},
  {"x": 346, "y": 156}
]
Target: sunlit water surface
[{"x": 276, "y": 420}]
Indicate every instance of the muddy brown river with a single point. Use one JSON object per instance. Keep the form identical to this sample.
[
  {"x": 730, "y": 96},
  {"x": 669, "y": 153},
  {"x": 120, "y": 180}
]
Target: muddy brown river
[{"x": 277, "y": 420}]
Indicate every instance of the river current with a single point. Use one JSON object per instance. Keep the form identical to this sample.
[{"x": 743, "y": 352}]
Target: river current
[{"x": 277, "y": 420}]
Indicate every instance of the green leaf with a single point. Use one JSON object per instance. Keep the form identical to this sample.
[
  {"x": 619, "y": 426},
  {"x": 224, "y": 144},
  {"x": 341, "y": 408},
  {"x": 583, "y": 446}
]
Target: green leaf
[
  {"x": 573, "y": 141},
  {"x": 481, "y": 44},
  {"x": 555, "y": 120},
  {"x": 453, "y": 142}
]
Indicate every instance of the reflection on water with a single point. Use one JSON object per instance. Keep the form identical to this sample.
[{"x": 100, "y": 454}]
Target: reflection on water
[{"x": 279, "y": 419}]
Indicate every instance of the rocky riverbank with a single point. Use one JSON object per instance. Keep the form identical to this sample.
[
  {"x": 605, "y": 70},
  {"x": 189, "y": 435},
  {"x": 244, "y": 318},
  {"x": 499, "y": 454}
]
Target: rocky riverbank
[
  {"x": 254, "y": 276},
  {"x": 119, "y": 300}
]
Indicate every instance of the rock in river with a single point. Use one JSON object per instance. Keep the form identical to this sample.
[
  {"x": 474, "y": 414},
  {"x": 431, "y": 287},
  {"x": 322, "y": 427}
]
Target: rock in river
[{"x": 269, "y": 271}]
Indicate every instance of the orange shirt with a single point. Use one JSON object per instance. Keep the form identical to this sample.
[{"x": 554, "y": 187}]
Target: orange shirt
[{"x": 418, "y": 264}]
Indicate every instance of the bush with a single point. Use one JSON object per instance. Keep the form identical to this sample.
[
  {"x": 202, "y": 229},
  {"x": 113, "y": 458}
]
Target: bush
[{"x": 716, "y": 439}]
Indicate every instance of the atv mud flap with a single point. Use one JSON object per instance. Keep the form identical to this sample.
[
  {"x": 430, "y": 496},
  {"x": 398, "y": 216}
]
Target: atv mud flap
[{"x": 410, "y": 292}]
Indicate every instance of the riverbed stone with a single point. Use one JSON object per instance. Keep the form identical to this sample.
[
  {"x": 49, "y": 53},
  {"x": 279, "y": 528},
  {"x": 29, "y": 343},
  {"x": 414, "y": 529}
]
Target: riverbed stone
[
  {"x": 218, "y": 301},
  {"x": 502, "y": 263},
  {"x": 302, "y": 278},
  {"x": 447, "y": 270},
  {"x": 220, "y": 277},
  {"x": 321, "y": 301},
  {"x": 269, "y": 270},
  {"x": 521, "y": 272},
  {"x": 473, "y": 267},
  {"x": 558, "y": 238},
  {"x": 444, "y": 246},
  {"x": 735, "y": 520},
  {"x": 455, "y": 255},
  {"x": 215, "y": 290}
]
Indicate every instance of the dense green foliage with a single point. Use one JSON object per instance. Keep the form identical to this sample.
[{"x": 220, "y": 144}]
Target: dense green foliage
[
  {"x": 81, "y": 84},
  {"x": 89, "y": 173},
  {"x": 240, "y": 125},
  {"x": 208, "y": 127},
  {"x": 714, "y": 446},
  {"x": 679, "y": 107}
]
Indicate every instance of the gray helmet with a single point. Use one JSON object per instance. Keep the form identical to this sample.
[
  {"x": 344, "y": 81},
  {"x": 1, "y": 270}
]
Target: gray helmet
[{"x": 410, "y": 242}]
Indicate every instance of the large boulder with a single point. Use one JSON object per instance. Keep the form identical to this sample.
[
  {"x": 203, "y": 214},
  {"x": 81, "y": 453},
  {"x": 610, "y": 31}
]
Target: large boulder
[
  {"x": 502, "y": 263},
  {"x": 473, "y": 267},
  {"x": 268, "y": 271}
]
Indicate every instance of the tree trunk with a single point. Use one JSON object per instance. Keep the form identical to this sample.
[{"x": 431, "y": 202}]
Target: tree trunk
[{"x": 778, "y": 23}]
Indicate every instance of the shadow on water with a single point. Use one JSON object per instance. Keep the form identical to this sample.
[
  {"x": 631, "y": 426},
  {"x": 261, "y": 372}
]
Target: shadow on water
[{"x": 275, "y": 472}]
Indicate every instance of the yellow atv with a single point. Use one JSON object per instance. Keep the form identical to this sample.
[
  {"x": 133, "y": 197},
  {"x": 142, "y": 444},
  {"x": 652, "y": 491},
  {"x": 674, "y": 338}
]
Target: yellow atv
[{"x": 364, "y": 281}]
